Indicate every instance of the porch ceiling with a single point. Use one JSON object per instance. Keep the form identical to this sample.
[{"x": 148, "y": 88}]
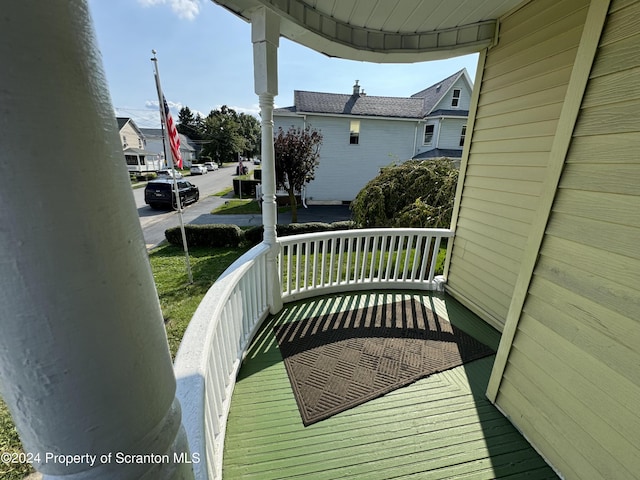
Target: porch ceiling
[{"x": 385, "y": 31}]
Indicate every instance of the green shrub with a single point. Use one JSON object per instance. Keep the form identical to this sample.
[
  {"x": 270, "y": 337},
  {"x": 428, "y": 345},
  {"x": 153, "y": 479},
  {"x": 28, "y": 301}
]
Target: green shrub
[
  {"x": 217, "y": 235},
  {"x": 412, "y": 194},
  {"x": 254, "y": 235},
  {"x": 214, "y": 235},
  {"x": 300, "y": 228},
  {"x": 343, "y": 225}
]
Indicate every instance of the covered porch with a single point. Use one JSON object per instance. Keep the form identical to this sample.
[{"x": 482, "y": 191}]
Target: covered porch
[
  {"x": 442, "y": 426},
  {"x": 85, "y": 367},
  {"x": 239, "y": 408}
]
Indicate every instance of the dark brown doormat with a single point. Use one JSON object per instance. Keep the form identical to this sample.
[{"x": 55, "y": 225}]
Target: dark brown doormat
[{"x": 341, "y": 360}]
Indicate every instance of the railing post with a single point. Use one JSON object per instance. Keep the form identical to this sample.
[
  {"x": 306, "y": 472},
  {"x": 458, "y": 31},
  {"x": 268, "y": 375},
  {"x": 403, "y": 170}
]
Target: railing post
[{"x": 265, "y": 32}]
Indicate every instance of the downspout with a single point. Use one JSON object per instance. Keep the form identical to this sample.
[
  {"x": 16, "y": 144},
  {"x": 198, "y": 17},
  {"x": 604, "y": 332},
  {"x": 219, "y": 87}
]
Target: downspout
[{"x": 415, "y": 140}]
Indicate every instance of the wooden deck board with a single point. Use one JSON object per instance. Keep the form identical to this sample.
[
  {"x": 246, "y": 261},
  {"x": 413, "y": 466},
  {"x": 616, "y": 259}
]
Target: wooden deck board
[{"x": 439, "y": 427}]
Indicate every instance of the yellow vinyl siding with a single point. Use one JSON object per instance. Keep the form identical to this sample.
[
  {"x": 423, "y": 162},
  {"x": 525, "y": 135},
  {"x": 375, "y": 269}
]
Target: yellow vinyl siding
[
  {"x": 571, "y": 381},
  {"x": 509, "y": 151}
]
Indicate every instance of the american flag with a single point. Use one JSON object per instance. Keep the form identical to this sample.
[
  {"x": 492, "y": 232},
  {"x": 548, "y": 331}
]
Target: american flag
[{"x": 174, "y": 138}]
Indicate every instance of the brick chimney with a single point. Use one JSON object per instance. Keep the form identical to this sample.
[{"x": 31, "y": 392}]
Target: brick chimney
[{"x": 356, "y": 89}]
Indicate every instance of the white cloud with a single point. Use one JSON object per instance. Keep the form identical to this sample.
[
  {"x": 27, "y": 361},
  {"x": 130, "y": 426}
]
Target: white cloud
[
  {"x": 187, "y": 9},
  {"x": 252, "y": 110},
  {"x": 153, "y": 104}
]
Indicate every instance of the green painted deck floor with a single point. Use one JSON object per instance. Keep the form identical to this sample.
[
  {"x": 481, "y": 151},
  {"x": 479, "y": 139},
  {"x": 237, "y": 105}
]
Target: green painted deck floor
[{"x": 439, "y": 427}]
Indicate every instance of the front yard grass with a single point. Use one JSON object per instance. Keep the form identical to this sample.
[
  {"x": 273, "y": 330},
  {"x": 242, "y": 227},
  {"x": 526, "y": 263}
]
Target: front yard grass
[
  {"x": 179, "y": 299},
  {"x": 243, "y": 206},
  {"x": 237, "y": 206}
]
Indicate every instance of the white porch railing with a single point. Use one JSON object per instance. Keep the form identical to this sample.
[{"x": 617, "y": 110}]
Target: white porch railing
[
  {"x": 319, "y": 263},
  {"x": 211, "y": 353},
  {"x": 234, "y": 307}
]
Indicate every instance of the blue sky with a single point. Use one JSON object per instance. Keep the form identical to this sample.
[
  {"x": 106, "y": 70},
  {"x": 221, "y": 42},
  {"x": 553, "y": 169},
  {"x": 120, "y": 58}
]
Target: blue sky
[{"x": 205, "y": 60}]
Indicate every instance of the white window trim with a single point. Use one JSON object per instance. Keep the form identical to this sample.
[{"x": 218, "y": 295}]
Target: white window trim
[
  {"x": 354, "y": 133},
  {"x": 463, "y": 135},
  {"x": 456, "y": 99},
  {"x": 433, "y": 134}
]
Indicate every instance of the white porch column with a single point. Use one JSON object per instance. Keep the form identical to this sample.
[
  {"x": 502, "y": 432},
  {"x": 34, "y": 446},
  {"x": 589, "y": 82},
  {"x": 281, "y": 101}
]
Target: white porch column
[
  {"x": 265, "y": 35},
  {"x": 84, "y": 362}
]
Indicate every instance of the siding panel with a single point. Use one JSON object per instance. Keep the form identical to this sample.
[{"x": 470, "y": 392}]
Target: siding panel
[
  {"x": 576, "y": 419},
  {"x": 522, "y": 92},
  {"x": 572, "y": 379},
  {"x": 606, "y": 149}
]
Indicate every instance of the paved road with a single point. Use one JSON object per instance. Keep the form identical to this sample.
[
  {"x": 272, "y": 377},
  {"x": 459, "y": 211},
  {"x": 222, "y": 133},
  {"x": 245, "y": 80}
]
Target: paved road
[{"x": 155, "y": 222}]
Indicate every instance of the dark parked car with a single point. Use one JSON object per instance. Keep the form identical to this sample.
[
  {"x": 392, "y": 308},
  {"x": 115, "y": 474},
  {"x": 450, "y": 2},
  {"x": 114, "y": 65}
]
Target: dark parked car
[{"x": 159, "y": 193}]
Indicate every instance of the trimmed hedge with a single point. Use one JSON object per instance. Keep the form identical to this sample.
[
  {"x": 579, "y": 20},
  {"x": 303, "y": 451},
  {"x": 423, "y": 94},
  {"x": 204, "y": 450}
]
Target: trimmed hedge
[
  {"x": 254, "y": 234},
  {"x": 221, "y": 235},
  {"x": 214, "y": 235}
]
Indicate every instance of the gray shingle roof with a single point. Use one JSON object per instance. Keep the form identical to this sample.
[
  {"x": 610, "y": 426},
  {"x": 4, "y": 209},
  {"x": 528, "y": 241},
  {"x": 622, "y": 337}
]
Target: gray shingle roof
[
  {"x": 151, "y": 132},
  {"x": 439, "y": 152},
  {"x": 432, "y": 95},
  {"x": 449, "y": 113},
  {"x": 416, "y": 106},
  {"x": 122, "y": 121},
  {"x": 366, "y": 105}
]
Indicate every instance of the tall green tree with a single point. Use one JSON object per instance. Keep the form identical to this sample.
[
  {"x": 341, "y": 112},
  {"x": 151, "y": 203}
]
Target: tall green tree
[
  {"x": 412, "y": 194},
  {"x": 250, "y": 131},
  {"x": 223, "y": 135},
  {"x": 189, "y": 124},
  {"x": 296, "y": 158}
]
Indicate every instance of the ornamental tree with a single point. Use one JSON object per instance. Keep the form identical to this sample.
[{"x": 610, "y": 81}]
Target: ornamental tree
[
  {"x": 296, "y": 158},
  {"x": 412, "y": 194}
]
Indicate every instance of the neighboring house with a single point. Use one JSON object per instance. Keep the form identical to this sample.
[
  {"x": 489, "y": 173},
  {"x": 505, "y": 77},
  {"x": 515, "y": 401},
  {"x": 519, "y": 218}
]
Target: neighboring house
[
  {"x": 189, "y": 150},
  {"x": 153, "y": 137},
  {"x": 134, "y": 146},
  {"x": 362, "y": 133},
  {"x": 445, "y": 112}
]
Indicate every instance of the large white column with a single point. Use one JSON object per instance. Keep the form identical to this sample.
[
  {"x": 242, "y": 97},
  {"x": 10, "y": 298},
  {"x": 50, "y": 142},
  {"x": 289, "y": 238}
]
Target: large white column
[
  {"x": 265, "y": 35},
  {"x": 84, "y": 362}
]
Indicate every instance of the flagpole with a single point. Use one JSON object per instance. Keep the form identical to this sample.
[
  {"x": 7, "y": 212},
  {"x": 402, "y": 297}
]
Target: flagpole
[{"x": 163, "y": 117}]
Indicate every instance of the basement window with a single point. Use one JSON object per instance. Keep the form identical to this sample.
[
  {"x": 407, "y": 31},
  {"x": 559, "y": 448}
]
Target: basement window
[{"x": 354, "y": 132}]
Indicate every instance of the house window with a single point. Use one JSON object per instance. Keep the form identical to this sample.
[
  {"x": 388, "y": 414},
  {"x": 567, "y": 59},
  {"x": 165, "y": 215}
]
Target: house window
[
  {"x": 428, "y": 134},
  {"x": 124, "y": 141},
  {"x": 455, "y": 100},
  {"x": 463, "y": 134},
  {"x": 354, "y": 132}
]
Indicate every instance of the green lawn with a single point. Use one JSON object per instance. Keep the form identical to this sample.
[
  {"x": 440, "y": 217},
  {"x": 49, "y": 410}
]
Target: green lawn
[
  {"x": 237, "y": 206},
  {"x": 371, "y": 260},
  {"x": 178, "y": 299}
]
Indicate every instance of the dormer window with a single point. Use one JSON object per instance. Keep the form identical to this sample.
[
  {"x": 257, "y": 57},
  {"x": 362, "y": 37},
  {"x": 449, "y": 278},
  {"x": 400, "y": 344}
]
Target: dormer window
[{"x": 455, "y": 100}]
